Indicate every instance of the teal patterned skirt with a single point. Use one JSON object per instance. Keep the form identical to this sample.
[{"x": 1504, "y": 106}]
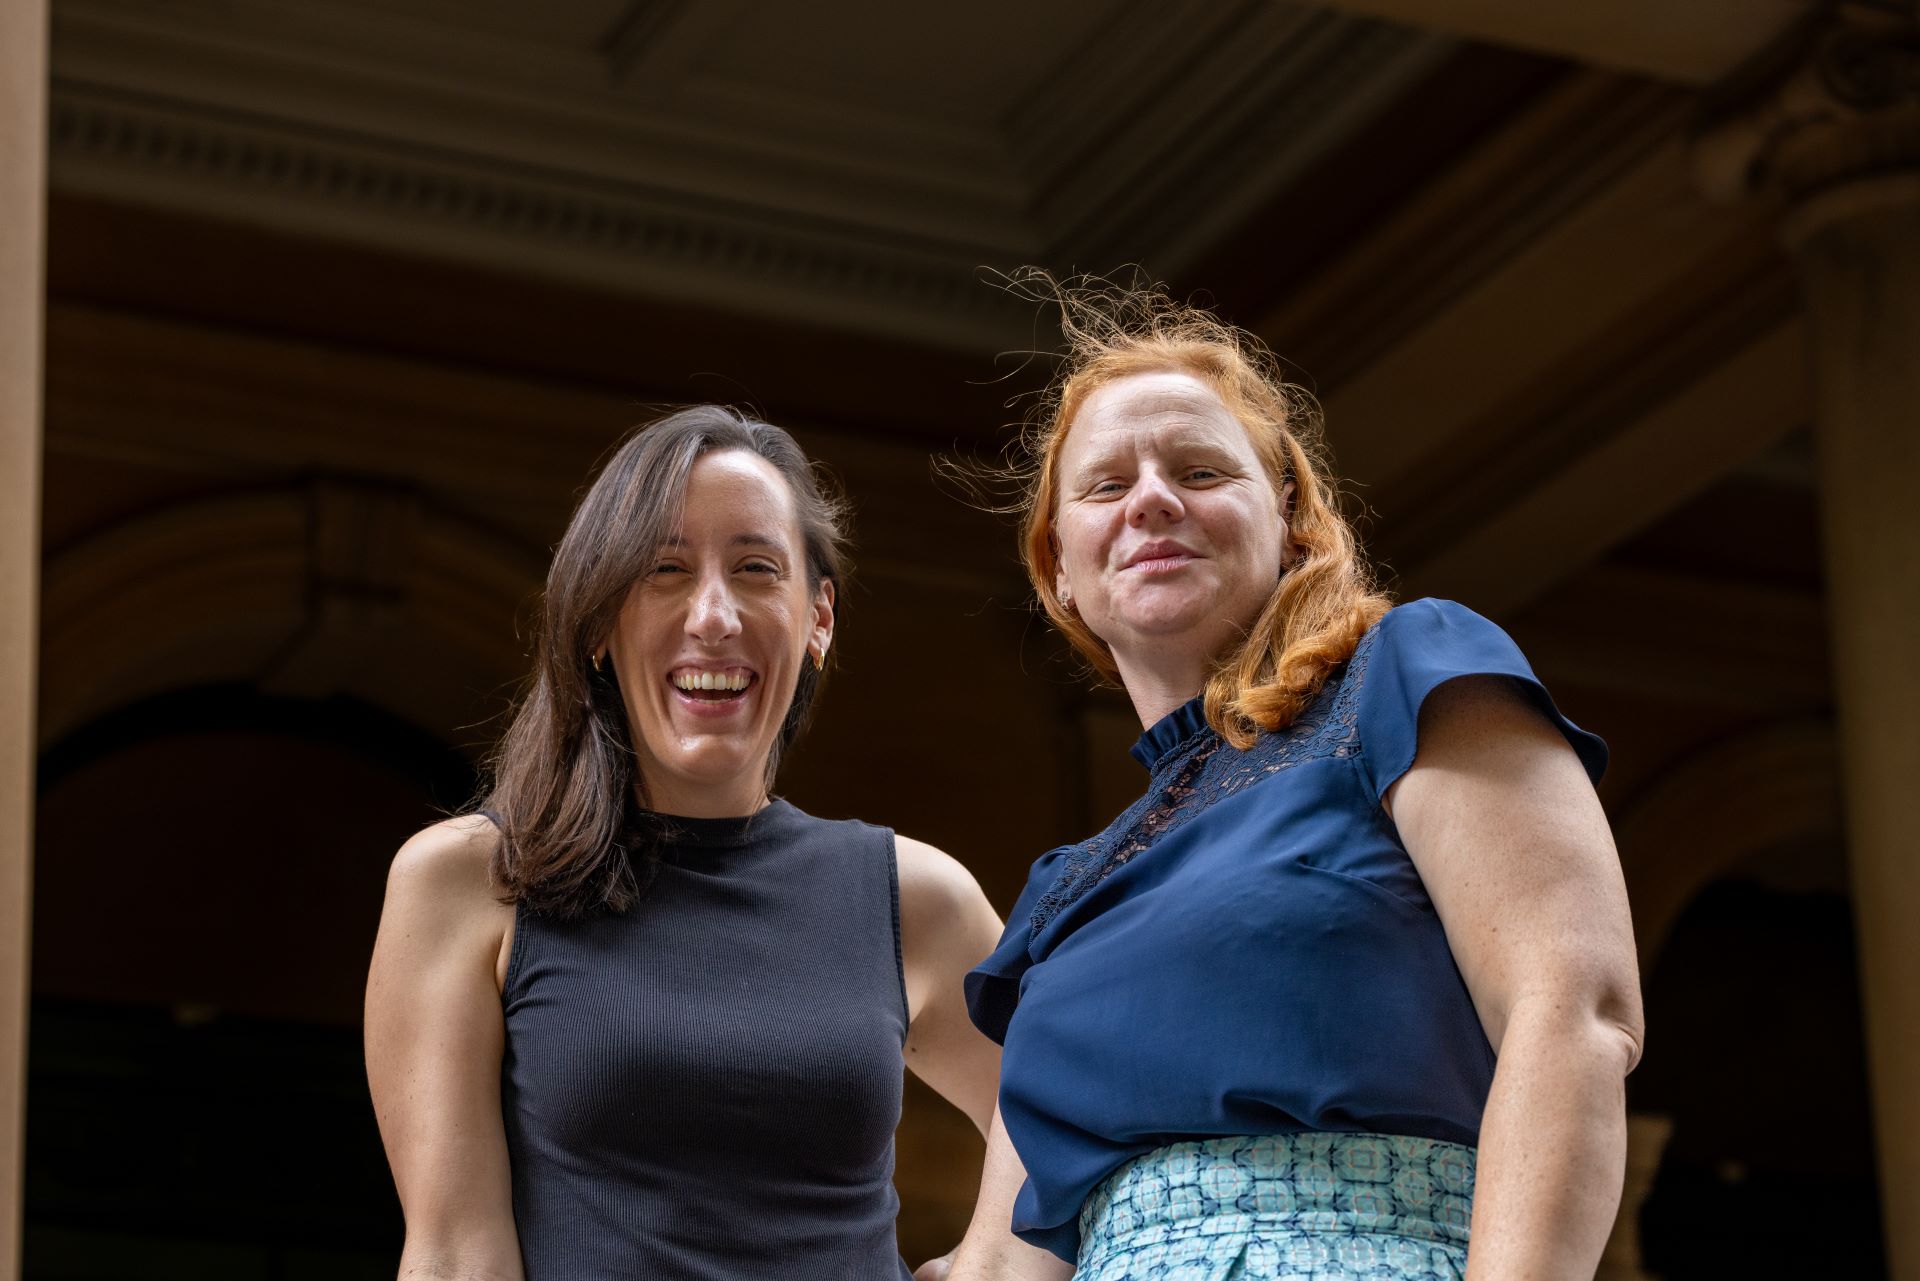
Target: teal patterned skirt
[{"x": 1299, "y": 1207}]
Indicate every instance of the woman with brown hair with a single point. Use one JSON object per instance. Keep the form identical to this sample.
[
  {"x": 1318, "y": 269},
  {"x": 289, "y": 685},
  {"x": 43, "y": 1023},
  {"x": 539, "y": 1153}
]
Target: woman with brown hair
[
  {"x": 1353, "y": 983},
  {"x": 639, "y": 1017}
]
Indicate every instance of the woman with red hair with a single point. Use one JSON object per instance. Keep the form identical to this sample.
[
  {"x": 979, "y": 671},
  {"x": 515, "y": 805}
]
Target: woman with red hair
[{"x": 1352, "y": 984}]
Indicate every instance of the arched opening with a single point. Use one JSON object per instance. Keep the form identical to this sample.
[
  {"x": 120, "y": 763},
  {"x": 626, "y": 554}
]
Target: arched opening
[
  {"x": 1755, "y": 1053},
  {"x": 209, "y": 871}
]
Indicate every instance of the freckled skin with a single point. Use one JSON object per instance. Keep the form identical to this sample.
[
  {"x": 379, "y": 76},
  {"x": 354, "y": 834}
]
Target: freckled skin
[
  {"x": 728, "y": 591},
  {"x": 1156, "y": 459}
]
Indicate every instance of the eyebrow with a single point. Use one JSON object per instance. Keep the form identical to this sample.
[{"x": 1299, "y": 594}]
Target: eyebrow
[
  {"x": 738, "y": 540},
  {"x": 1184, "y": 437}
]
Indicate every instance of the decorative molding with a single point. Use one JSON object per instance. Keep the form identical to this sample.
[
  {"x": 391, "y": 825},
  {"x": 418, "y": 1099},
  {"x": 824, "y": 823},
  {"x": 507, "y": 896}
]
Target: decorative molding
[
  {"x": 1834, "y": 101},
  {"x": 1690, "y": 44},
  {"x": 103, "y": 144},
  {"x": 636, "y": 33},
  {"x": 684, "y": 180}
]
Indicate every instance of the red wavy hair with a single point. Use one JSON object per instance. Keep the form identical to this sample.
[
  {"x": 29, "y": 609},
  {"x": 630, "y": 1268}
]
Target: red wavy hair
[{"x": 1327, "y": 598}]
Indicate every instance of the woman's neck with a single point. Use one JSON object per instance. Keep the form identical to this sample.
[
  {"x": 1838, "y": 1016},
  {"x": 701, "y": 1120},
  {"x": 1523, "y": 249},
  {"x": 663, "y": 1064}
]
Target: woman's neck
[
  {"x": 686, "y": 799},
  {"x": 1158, "y": 683}
]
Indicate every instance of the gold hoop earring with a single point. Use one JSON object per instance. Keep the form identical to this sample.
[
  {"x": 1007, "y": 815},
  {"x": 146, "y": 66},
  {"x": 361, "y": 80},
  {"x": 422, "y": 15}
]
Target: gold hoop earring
[
  {"x": 598, "y": 670},
  {"x": 819, "y": 658}
]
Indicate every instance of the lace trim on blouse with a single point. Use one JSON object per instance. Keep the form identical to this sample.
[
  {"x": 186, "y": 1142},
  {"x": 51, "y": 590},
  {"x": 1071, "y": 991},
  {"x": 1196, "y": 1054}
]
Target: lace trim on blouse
[{"x": 1204, "y": 769}]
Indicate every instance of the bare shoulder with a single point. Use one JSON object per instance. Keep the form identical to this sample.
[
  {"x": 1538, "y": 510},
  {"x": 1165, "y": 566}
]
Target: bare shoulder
[
  {"x": 944, "y": 914},
  {"x": 446, "y": 867},
  {"x": 442, "y": 905},
  {"x": 931, "y": 880}
]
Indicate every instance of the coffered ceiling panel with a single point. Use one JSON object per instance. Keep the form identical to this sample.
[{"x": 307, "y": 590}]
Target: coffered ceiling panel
[{"x": 851, "y": 162}]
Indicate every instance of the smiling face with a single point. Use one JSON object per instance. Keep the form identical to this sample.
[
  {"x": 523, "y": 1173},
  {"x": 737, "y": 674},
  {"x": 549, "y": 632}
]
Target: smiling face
[
  {"x": 708, "y": 644},
  {"x": 1170, "y": 534}
]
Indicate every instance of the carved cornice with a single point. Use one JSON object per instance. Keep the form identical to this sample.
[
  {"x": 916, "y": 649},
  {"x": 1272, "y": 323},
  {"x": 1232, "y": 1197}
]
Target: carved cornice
[
  {"x": 445, "y": 204},
  {"x": 645, "y": 161},
  {"x": 1835, "y": 102}
]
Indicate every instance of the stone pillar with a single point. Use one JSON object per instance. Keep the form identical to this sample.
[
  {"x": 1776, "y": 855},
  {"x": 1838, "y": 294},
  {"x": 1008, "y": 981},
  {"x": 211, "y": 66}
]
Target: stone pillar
[
  {"x": 1831, "y": 128},
  {"x": 23, "y": 193},
  {"x": 1647, "y": 1137}
]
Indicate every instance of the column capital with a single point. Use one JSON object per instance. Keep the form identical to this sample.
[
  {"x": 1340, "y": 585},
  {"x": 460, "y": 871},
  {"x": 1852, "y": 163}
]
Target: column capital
[{"x": 1834, "y": 103}]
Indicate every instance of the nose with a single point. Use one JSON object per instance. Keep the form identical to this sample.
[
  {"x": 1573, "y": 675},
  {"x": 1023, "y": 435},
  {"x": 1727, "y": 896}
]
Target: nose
[
  {"x": 713, "y": 615},
  {"x": 1154, "y": 500}
]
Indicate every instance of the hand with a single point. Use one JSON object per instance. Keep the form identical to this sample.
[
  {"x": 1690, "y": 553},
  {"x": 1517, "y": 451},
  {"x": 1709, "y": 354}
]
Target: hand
[{"x": 935, "y": 1269}]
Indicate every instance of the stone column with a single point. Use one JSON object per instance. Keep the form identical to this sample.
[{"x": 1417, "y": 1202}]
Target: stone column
[
  {"x": 1647, "y": 1137},
  {"x": 23, "y": 192},
  {"x": 1831, "y": 129}
]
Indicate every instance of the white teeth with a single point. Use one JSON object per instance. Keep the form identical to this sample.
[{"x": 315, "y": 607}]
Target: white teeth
[{"x": 728, "y": 681}]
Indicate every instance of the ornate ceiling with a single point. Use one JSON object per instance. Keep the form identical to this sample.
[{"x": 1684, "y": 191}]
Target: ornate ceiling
[{"x": 858, "y": 163}]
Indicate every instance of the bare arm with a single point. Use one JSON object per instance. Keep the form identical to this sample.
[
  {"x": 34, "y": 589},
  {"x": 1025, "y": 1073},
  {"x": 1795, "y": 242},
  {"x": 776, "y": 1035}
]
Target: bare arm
[
  {"x": 946, "y": 928},
  {"x": 990, "y": 1251},
  {"x": 435, "y": 1036},
  {"x": 1513, "y": 846}
]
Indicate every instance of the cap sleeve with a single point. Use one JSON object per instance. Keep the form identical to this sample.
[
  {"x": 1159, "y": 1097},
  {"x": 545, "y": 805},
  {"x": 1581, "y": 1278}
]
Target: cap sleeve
[
  {"x": 993, "y": 986},
  {"x": 1419, "y": 647}
]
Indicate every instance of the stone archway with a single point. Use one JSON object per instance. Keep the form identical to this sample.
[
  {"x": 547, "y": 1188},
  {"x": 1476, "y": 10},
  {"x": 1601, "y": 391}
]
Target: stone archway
[
  {"x": 1690, "y": 829},
  {"x": 1778, "y": 785},
  {"x": 332, "y": 587}
]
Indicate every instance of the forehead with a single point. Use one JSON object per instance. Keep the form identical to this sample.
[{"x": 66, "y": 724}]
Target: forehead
[
  {"x": 730, "y": 491},
  {"x": 1149, "y": 410}
]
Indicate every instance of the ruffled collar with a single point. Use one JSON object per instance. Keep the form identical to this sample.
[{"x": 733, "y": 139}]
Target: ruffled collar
[{"x": 1170, "y": 731}]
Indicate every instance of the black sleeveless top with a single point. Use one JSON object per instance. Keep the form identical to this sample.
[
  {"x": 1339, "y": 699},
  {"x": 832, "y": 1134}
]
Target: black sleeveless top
[{"x": 708, "y": 1085}]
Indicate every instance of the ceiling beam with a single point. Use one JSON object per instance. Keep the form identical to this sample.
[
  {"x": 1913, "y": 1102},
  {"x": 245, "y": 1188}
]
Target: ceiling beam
[
  {"x": 1580, "y": 167},
  {"x": 1525, "y": 377},
  {"x": 1468, "y": 353},
  {"x": 1692, "y": 42},
  {"x": 1702, "y": 641},
  {"x": 1600, "y": 497}
]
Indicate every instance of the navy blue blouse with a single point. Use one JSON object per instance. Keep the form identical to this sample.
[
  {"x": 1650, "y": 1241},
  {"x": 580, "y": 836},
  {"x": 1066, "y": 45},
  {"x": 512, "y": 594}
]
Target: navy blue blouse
[{"x": 1248, "y": 948}]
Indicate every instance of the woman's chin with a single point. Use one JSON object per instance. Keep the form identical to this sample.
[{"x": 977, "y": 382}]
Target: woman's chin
[
  {"x": 711, "y": 775},
  {"x": 1173, "y": 622}
]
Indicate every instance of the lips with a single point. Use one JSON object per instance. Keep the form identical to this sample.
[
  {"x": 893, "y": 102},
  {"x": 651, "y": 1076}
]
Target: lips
[{"x": 1159, "y": 556}]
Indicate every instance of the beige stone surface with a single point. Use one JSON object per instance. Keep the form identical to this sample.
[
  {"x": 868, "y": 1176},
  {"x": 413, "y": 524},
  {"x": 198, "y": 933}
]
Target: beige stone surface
[
  {"x": 23, "y": 87},
  {"x": 1861, "y": 269}
]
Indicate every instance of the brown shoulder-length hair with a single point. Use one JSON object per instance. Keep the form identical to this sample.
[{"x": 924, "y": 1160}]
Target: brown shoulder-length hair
[
  {"x": 563, "y": 786},
  {"x": 1326, "y": 598}
]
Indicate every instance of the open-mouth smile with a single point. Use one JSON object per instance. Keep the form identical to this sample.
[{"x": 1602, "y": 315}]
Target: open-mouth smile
[{"x": 710, "y": 689}]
